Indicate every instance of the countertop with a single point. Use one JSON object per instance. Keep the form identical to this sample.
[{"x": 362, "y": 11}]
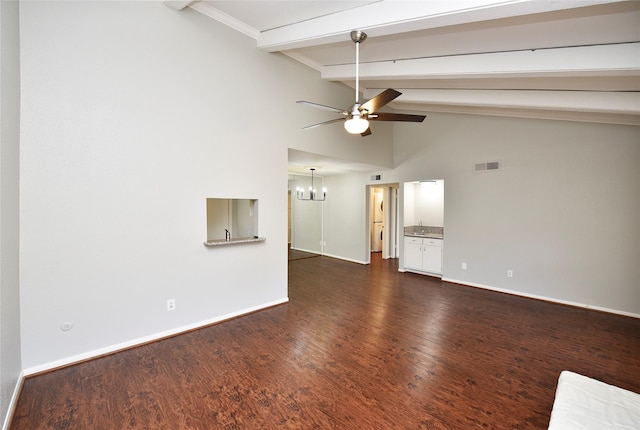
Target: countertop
[
  {"x": 426, "y": 235},
  {"x": 234, "y": 241}
]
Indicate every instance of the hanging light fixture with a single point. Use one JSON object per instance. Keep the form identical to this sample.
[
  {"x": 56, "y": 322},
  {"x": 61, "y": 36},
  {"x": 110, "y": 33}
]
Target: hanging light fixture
[
  {"x": 313, "y": 196},
  {"x": 357, "y": 122}
]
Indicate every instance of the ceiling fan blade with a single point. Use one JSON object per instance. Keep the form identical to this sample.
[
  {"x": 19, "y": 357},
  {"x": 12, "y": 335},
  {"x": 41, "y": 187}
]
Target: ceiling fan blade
[
  {"x": 380, "y": 100},
  {"x": 385, "y": 116},
  {"x": 318, "y": 105},
  {"x": 367, "y": 132},
  {"x": 324, "y": 123}
]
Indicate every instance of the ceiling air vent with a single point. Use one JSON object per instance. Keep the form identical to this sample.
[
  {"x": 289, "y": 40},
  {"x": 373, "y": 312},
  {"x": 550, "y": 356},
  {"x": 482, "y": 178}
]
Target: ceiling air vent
[{"x": 490, "y": 166}]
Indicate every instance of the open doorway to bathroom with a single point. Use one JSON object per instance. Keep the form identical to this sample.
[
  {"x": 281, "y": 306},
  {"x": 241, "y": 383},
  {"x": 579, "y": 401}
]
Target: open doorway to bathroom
[{"x": 383, "y": 220}]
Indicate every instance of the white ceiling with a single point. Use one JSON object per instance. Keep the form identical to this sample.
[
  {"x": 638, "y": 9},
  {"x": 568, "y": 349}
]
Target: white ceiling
[
  {"x": 301, "y": 162},
  {"x": 568, "y": 60}
]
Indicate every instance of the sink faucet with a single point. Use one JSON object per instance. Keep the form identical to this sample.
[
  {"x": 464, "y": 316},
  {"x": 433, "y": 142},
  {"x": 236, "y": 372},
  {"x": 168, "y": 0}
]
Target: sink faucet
[{"x": 227, "y": 235}]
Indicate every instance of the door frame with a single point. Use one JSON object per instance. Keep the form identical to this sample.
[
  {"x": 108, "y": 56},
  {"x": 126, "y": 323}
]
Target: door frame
[{"x": 390, "y": 242}]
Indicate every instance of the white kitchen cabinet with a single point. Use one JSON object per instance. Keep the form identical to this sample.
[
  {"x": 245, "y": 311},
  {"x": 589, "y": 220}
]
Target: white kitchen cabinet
[
  {"x": 432, "y": 255},
  {"x": 423, "y": 254},
  {"x": 413, "y": 253}
]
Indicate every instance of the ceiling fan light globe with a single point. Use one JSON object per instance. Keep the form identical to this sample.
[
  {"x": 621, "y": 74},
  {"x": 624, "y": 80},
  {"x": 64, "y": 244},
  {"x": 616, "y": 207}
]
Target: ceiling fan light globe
[{"x": 356, "y": 125}]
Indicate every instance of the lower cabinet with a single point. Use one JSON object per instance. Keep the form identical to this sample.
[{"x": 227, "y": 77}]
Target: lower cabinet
[{"x": 422, "y": 254}]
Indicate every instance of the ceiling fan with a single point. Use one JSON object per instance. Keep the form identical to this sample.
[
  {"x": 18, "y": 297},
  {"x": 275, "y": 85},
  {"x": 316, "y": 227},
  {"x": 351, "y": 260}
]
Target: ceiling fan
[{"x": 356, "y": 118}]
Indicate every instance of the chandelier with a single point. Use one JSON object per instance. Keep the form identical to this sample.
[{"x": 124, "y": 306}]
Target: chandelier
[{"x": 313, "y": 195}]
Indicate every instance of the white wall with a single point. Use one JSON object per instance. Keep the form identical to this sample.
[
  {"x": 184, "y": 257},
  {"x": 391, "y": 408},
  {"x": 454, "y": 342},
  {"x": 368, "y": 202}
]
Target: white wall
[
  {"x": 10, "y": 358},
  {"x": 429, "y": 203},
  {"x": 218, "y": 219},
  {"x": 245, "y": 217},
  {"x": 409, "y": 206},
  {"x": 346, "y": 228},
  {"x": 134, "y": 114},
  {"x": 347, "y": 214},
  {"x": 424, "y": 203},
  {"x": 562, "y": 213},
  {"x": 306, "y": 216}
]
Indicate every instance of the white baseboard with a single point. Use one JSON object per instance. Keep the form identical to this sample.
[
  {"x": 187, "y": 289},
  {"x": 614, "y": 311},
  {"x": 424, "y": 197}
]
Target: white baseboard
[
  {"x": 544, "y": 298},
  {"x": 332, "y": 256},
  {"x": 346, "y": 259},
  {"x": 306, "y": 250},
  {"x": 14, "y": 402},
  {"x": 420, "y": 272},
  {"x": 146, "y": 339}
]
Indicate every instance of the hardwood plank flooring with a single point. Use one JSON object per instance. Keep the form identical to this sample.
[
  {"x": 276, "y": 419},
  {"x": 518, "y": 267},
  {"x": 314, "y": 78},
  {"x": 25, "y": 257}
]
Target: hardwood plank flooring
[
  {"x": 295, "y": 254},
  {"x": 357, "y": 347}
]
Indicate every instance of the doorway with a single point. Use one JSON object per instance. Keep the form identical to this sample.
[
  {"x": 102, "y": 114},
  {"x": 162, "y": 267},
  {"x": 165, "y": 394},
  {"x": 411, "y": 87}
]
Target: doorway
[{"x": 382, "y": 219}]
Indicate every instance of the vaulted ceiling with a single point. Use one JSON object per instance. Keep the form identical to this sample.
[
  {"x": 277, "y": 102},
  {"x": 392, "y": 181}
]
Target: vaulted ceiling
[
  {"x": 573, "y": 60},
  {"x": 576, "y": 60}
]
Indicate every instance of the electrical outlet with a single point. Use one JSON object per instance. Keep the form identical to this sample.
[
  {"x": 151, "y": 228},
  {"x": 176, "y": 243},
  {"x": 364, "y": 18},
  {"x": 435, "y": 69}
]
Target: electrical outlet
[
  {"x": 171, "y": 304},
  {"x": 464, "y": 266},
  {"x": 510, "y": 273}
]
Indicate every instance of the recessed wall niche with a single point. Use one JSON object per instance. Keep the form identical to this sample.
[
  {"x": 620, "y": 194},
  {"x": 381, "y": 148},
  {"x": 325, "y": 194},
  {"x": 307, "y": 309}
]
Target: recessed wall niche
[{"x": 231, "y": 219}]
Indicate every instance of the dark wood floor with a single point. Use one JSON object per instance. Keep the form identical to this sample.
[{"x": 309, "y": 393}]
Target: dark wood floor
[
  {"x": 295, "y": 254},
  {"x": 357, "y": 347}
]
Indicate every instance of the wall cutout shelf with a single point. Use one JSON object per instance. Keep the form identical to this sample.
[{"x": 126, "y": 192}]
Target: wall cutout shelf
[{"x": 236, "y": 241}]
